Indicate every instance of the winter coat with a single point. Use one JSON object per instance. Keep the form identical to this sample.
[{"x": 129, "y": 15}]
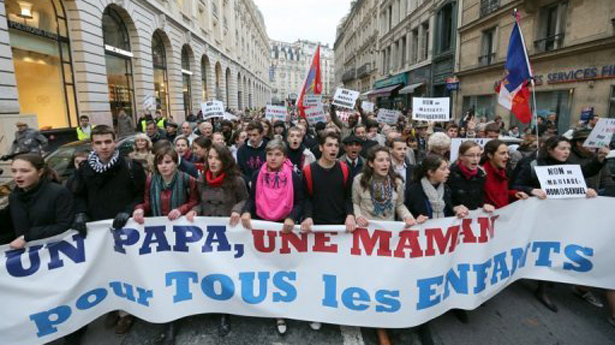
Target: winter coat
[
  {"x": 45, "y": 211},
  {"x": 219, "y": 201},
  {"x": 250, "y": 159},
  {"x": 599, "y": 181},
  {"x": 418, "y": 204},
  {"x": 29, "y": 141},
  {"x": 104, "y": 195},
  {"x": 125, "y": 126},
  {"x": 467, "y": 192},
  {"x": 496, "y": 188}
]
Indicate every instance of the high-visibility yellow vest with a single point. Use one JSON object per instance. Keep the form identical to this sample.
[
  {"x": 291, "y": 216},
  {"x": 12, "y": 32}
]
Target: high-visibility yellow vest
[
  {"x": 160, "y": 123},
  {"x": 81, "y": 135}
]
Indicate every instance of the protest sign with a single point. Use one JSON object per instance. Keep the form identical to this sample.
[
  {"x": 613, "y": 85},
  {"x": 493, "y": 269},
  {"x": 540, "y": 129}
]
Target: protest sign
[
  {"x": 431, "y": 109},
  {"x": 212, "y": 109},
  {"x": 276, "y": 113},
  {"x": 602, "y": 134},
  {"x": 344, "y": 115},
  {"x": 344, "y": 98},
  {"x": 315, "y": 115},
  {"x": 562, "y": 181},
  {"x": 230, "y": 117},
  {"x": 162, "y": 270},
  {"x": 456, "y": 142},
  {"x": 149, "y": 103},
  {"x": 388, "y": 116},
  {"x": 312, "y": 100},
  {"x": 367, "y": 106}
]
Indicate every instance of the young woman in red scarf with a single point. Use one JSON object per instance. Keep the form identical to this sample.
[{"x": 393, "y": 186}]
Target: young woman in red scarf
[
  {"x": 223, "y": 193},
  {"x": 497, "y": 193}
]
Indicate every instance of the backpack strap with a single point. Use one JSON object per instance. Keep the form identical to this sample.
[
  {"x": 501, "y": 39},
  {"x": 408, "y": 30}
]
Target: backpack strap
[
  {"x": 345, "y": 172},
  {"x": 307, "y": 172}
]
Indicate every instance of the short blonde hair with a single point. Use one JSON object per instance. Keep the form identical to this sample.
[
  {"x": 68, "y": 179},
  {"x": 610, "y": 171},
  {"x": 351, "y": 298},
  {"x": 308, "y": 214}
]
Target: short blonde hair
[{"x": 144, "y": 137}]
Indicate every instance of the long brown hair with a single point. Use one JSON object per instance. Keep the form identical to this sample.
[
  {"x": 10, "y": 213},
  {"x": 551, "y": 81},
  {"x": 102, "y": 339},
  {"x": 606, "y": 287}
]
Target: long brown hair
[
  {"x": 229, "y": 166},
  {"x": 368, "y": 172},
  {"x": 39, "y": 164}
]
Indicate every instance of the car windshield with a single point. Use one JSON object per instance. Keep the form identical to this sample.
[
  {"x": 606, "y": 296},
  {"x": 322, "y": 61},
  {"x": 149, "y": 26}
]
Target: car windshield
[{"x": 60, "y": 159}]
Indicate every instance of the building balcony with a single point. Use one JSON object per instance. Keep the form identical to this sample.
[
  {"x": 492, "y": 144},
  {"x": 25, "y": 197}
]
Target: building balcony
[
  {"x": 486, "y": 60},
  {"x": 549, "y": 43},
  {"x": 364, "y": 70},
  {"x": 488, "y": 6},
  {"x": 349, "y": 75}
]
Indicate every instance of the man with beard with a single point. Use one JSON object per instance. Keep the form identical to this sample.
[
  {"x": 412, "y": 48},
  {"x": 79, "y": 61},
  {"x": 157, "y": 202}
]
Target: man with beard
[
  {"x": 298, "y": 154},
  {"x": 353, "y": 146},
  {"x": 153, "y": 132}
]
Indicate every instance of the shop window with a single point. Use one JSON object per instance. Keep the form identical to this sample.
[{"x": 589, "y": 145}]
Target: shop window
[
  {"x": 118, "y": 58},
  {"x": 161, "y": 86},
  {"x": 445, "y": 22},
  {"x": 558, "y": 102},
  {"x": 483, "y": 106},
  {"x": 552, "y": 22},
  {"x": 42, "y": 60},
  {"x": 487, "y": 56}
]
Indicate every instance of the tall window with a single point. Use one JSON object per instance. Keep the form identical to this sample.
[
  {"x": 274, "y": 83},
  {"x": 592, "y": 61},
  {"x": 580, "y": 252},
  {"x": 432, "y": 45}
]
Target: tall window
[
  {"x": 403, "y": 52},
  {"x": 487, "y": 56},
  {"x": 161, "y": 86},
  {"x": 204, "y": 75},
  {"x": 186, "y": 76},
  {"x": 612, "y": 102},
  {"x": 118, "y": 58},
  {"x": 425, "y": 42},
  {"x": 42, "y": 60},
  {"x": 415, "y": 46},
  {"x": 552, "y": 27},
  {"x": 445, "y": 22}
]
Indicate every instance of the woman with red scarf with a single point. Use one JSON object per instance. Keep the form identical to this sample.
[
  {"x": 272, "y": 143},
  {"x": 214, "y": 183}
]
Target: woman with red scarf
[
  {"x": 497, "y": 193},
  {"x": 467, "y": 179},
  {"x": 223, "y": 193}
]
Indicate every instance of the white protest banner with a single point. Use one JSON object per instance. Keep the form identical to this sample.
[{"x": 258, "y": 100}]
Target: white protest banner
[
  {"x": 163, "y": 270},
  {"x": 431, "y": 109},
  {"x": 602, "y": 134},
  {"x": 456, "y": 142},
  {"x": 230, "y": 117},
  {"x": 388, "y": 116},
  {"x": 367, "y": 106},
  {"x": 315, "y": 115},
  {"x": 562, "y": 181},
  {"x": 311, "y": 100},
  {"x": 344, "y": 98},
  {"x": 212, "y": 109},
  {"x": 276, "y": 113},
  {"x": 149, "y": 103}
]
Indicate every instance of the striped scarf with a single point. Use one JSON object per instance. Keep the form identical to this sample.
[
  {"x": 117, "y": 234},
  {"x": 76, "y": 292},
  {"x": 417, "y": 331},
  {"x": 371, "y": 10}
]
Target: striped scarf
[
  {"x": 100, "y": 167},
  {"x": 178, "y": 187}
]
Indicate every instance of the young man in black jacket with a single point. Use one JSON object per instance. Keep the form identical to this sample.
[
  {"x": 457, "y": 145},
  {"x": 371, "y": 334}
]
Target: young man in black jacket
[{"x": 107, "y": 186}]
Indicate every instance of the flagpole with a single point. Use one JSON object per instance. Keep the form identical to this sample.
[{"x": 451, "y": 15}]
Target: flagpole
[{"x": 532, "y": 80}]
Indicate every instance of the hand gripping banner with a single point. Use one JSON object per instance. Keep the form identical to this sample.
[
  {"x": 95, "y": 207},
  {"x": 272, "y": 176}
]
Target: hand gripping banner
[{"x": 385, "y": 276}]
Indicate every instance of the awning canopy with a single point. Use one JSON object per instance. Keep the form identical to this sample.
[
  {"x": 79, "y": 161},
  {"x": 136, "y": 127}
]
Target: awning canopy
[
  {"x": 385, "y": 91},
  {"x": 409, "y": 89}
]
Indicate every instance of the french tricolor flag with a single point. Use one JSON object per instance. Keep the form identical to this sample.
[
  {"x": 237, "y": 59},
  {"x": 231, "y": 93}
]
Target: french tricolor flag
[{"x": 514, "y": 87}]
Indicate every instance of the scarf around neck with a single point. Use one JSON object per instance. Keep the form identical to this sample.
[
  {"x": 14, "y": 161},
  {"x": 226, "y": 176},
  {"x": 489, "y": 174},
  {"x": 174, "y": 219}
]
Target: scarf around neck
[
  {"x": 274, "y": 192},
  {"x": 435, "y": 197},
  {"x": 467, "y": 173},
  {"x": 381, "y": 192},
  {"x": 214, "y": 181},
  {"x": 178, "y": 187},
  {"x": 100, "y": 167}
]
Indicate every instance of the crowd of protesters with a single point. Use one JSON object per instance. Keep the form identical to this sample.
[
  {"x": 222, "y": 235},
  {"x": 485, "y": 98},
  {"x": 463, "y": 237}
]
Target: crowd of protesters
[{"x": 342, "y": 172}]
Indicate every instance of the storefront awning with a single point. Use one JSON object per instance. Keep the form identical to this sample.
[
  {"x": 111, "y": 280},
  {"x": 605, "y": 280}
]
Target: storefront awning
[
  {"x": 385, "y": 91},
  {"x": 409, "y": 89}
]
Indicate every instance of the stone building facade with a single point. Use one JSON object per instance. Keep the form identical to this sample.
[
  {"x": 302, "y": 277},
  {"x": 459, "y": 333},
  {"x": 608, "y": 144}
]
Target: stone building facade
[
  {"x": 60, "y": 59},
  {"x": 571, "y": 45},
  {"x": 290, "y": 63}
]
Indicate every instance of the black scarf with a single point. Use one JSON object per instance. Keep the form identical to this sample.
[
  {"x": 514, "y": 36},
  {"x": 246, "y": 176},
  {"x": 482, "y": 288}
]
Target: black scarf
[{"x": 295, "y": 156}]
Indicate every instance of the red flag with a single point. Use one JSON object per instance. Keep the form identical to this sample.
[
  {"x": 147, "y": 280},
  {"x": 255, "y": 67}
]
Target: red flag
[{"x": 313, "y": 82}]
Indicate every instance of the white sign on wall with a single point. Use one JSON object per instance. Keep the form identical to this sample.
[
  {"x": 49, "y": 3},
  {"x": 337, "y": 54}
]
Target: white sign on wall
[
  {"x": 562, "y": 181},
  {"x": 344, "y": 98},
  {"x": 431, "y": 109},
  {"x": 367, "y": 106}
]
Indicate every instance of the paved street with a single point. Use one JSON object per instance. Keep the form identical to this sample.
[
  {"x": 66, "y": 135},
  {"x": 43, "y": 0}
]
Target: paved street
[{"x": 512, "y": 318}]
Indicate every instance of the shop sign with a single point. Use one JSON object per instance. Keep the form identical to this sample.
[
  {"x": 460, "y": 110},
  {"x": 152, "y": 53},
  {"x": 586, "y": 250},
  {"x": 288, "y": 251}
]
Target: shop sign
[
  {"x": 32, "y": 30},
  {"x": 398, "y": 79},
  {"x": 577, "y": 75},
  {"x": 118, "y": 50}
]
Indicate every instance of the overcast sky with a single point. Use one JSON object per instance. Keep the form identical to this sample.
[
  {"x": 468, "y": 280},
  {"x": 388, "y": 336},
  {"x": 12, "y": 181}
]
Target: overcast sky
[{"x": 314, "y": 20}]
